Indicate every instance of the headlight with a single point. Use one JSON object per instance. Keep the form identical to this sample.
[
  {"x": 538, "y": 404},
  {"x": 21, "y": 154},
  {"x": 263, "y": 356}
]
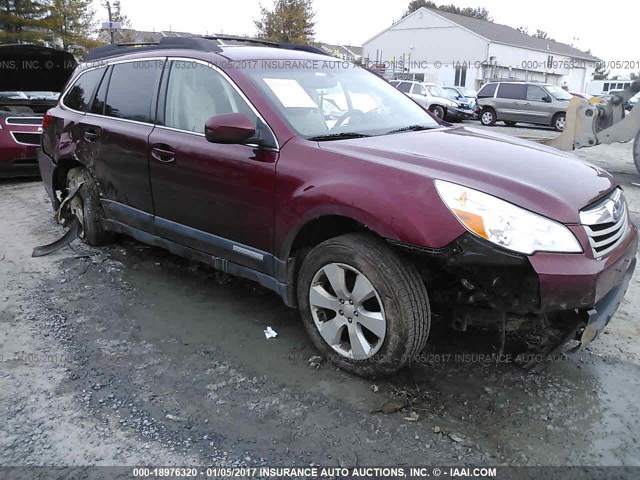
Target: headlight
[{"x": 505, "y": 224}]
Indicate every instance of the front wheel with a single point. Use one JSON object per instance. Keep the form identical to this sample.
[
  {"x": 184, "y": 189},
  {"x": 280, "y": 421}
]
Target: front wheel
[
  {"x": 488, "y": 117},
  {"x": 438, "y": 111},
  {"x": 365, "y": 308},
  {"x": 559, "y": 121}
]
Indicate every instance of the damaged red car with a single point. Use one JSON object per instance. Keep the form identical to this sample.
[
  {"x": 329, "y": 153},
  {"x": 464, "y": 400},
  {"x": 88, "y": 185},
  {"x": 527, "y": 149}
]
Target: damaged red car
[
  {"x": 325, "y": 184},
  {"x": 31, "y": 78}
]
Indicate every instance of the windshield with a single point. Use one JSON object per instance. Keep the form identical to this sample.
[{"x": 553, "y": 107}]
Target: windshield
[
  {"x": 333, "y": 101},
  {"x": 436, "y": 91},
  {"x": 469, "y": 93},
  {"x": 558, "y": 92},
  {"x": 452, "y": 94}
]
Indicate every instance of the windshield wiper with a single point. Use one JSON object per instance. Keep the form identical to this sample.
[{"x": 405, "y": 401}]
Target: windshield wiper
[
  {"x": 338, "y": 136},
  {"x": 411, "y": 128}
]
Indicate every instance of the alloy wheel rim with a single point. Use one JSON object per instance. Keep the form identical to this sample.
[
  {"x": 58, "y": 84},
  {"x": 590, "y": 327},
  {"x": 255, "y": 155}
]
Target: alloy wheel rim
[
  {"x": 560, "y": 123},
  {"x": 487, "y": 117},
  {"x": 347, "y": 311}
]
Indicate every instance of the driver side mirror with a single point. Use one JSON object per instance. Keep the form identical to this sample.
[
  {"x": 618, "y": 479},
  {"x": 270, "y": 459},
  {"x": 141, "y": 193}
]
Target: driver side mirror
[
  {"x": 546, "y": 98},
  {"x": 229, "y": 128}
]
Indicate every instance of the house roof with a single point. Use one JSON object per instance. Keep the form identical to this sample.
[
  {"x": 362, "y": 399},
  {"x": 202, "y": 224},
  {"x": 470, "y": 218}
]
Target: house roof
[
  {"x": 494, "y": 32},
  {"x": 510, "y": 36}
]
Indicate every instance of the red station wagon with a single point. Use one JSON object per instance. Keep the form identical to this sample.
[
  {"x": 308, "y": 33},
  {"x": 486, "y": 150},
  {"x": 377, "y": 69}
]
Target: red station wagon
[{"x": 325, "y": 184}]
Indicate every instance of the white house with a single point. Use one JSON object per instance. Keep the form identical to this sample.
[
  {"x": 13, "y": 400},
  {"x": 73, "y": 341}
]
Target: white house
[{"x": 451, "y": 49}]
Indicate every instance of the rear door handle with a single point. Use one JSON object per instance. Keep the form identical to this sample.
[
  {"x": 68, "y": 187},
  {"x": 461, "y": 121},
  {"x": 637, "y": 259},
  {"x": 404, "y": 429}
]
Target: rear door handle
[
  {"x": 163, "y": 154},
  {"x": 91, "y": 136}
]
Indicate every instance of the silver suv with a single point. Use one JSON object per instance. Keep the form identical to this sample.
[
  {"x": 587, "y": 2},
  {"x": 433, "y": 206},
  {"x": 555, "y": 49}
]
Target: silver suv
[{"x": 513, "y": 102}]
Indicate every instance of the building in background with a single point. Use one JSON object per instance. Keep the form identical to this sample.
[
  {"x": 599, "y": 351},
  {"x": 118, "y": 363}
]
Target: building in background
[{"x": 455, "y": 50}]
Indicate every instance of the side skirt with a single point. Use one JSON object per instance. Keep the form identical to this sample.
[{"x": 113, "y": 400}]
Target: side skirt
[{"x": 285, "y": 290}]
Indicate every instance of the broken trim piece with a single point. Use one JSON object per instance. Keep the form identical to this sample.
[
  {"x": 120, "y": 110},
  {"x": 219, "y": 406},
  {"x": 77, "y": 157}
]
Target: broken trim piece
[{"x": 66, "y": 239}]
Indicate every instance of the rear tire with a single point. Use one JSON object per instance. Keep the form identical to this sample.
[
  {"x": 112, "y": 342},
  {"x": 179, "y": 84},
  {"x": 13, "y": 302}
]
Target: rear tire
[
  {"x": 374, "y": 288},
  {"x": 510, "y": 124},
  {"x": 86, "y": 206},
  {"x": 438, "y": 111},
  {"x": 488, "y": 117}
]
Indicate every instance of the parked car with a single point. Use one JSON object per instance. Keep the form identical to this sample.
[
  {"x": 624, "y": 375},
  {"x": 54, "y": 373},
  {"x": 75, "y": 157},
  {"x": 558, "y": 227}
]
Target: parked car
[
  {"x": 514, "y": 102},
  {"x": 23, "y": 103},
  {"x": 431, "y": 97},
  {"x": 467, "y": 105},
  {"x": 369, "y": 221}
]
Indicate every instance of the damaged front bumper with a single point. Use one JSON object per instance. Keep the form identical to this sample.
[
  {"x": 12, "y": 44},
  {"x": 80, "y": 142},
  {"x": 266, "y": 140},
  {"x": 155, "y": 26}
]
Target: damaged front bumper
[
  {"x": 564, "y": 300},
  {"x": 599, "y": 316}
]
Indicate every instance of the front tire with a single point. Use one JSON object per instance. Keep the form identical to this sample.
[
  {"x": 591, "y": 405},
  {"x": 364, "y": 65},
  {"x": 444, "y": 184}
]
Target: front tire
[
  {"x": 87, "y": 208},
  {"x": 438, "y": 111},
  {"x": 488, "y": 117},
  {"x": 559, "y": 122},
  {"x": 365, "y": 308}
]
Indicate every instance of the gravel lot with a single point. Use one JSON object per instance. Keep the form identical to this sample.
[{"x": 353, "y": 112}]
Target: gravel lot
[{"x": 128, "y": 355}]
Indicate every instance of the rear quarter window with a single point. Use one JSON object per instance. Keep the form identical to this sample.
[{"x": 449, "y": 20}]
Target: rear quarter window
[
  {"x": 514, "y": 91},
  {"x": 131, "y": 90},
  {"x": 487, "y": 90},
  {"x": 80, "y": 94},
  {"x": 404, "y": 87}
]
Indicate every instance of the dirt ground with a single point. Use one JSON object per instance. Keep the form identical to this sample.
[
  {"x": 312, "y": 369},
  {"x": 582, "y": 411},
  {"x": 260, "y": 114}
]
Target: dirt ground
[{"x": 128, "y": 355}]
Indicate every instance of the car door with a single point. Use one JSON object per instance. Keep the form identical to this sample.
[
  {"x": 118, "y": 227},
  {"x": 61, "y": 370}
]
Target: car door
[
  {"x": 419, "y": 94},
  {"x": 509, "y": 102},
  {"x": 118, "y": 126},
  {"x": 216, "y": 198},
  {"x": 538, "y": 107}
]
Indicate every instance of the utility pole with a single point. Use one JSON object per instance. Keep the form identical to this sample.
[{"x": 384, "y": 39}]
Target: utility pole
[{"x": 108, "y": 5}]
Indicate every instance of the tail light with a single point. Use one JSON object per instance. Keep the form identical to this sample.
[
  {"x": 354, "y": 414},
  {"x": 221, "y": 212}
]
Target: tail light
[{"x": 46, "y": 120}]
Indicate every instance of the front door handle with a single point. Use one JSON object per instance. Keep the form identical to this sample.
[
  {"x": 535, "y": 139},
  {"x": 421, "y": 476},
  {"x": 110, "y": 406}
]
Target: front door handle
[{"x": 163, "y": 154}]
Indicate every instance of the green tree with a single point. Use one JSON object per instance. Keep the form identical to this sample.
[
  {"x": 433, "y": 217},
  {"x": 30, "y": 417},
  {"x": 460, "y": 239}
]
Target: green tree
[
  {"x": 23, "y": 21},
  {"x": 72, "y": 24},
  {"x": 288, "y": 21},
  {"x": 478, "y": 12},
  {"x": 600, "y": 72}
]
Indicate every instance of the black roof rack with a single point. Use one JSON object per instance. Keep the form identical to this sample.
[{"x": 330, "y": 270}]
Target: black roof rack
[{"x": 203, "y": 44}]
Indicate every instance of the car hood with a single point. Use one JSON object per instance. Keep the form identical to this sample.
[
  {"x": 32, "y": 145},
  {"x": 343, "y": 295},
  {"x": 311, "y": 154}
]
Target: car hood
[
  {"x": 536, "y": 177},
  {"x": 35, "y": 68}
]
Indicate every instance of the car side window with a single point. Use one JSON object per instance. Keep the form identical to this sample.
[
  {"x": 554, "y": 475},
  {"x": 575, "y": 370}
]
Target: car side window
[
  {"x": 487, "y": 90},
  {"x": 197, "y": 93},
  {"x": 536, "y": 94},
  {"x": 513, "y": 91},
  {"x": 100, "y": 100},
  {"x": 419, "y": 89},
  {"x": 404, "y": 87},
  {"x": 131, "y": 90},
  {"x": 79, "y": 96}
]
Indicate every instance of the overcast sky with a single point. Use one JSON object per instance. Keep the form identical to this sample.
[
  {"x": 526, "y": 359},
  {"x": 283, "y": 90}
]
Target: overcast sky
[{"x": 606, "y": 29}]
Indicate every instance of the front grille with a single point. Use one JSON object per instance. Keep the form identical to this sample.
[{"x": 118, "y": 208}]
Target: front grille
[
  {"x": 23, "y": 121},
  {"x": 27, "y": 138},
  {"x": 606, "y": 223}
]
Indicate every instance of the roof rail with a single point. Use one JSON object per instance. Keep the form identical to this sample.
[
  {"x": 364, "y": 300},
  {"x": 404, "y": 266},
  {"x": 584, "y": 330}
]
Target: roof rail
[
  {"x": 236, "y": 38},
  {"x": 269, "y": 43},
  {"x": 205, "y": 44}
]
